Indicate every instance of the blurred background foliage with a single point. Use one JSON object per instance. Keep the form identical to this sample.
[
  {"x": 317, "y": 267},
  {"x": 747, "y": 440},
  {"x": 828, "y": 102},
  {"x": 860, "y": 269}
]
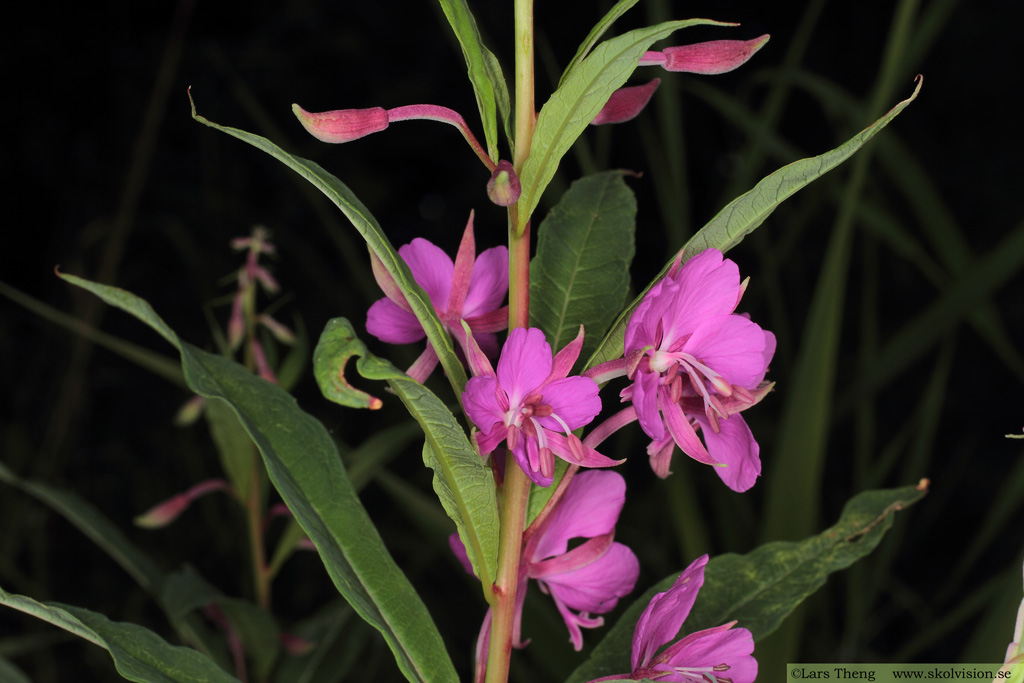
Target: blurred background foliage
[{"x": 894, "y": 286}]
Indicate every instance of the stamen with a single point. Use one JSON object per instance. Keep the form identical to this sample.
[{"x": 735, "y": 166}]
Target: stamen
[
  {"x": 675, "y": 389},
  {"x": 575, "y": 447},
  {"x": 512, "y": 437},
  {"x": 743, "y": 393},
  {"x": 547, "y": 463},
  {"x": 671, "y": 373},
  {"x": 542, "y": 410}
]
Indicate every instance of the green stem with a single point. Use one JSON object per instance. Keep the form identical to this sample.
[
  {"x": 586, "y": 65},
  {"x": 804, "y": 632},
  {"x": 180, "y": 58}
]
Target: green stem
[
  {"x": 515, "y": 493},
  {"x": 526, "y": 113}
]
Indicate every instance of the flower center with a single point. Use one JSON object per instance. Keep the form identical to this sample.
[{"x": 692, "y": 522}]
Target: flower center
[
  {"x": 522, "y": 422},
  {"x": 673, "y": 365},
  {"x": 702, "y": 674}
]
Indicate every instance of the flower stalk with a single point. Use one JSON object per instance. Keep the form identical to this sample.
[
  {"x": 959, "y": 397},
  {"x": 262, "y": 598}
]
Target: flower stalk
[{"x": 515, "y": 490}]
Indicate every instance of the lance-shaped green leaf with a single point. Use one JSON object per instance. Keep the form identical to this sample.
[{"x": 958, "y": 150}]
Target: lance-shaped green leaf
[
  {"x": 461, "y": 480},
  {"x": 376, "y": 240},
  {"x": 484, "y": 72},
  {"x": 761, "y": 588},
  {"x": 138, "y": 653},
  {"x": 747, "y": 212},
  {"x": 580, "y": 275},
  {"x": 304, "y": 466},
  {"x": 577, "y": 101}
]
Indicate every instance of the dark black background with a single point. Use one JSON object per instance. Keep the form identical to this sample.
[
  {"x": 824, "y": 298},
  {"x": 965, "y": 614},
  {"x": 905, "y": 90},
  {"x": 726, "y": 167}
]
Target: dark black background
[{"x": 100, "y": 150}]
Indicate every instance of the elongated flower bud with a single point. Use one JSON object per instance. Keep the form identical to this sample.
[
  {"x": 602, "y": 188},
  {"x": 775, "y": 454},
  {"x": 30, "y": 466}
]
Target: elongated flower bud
[
  {"x": 342, "y": 125},
  {"x": 626, "y": 103},
  {"x": 708, "y": 58}
]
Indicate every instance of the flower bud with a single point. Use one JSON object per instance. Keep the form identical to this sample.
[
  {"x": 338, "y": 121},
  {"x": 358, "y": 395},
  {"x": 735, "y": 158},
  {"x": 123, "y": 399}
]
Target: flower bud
[
  {"x": 626, "y": 103},
  {"x": 163, "y": 514},
  {"x": 708, "y": 58},
  {"x": 503, "y": 188},
  {"x": 342, "y": 125}
]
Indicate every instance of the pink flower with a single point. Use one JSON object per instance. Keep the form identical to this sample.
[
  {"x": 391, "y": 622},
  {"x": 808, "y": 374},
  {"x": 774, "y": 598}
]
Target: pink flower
[
  {"x": 721, "y": 653},
  {"x": 695, "y": 364},
  {"x": 590, "y": 578},
  {"x": 532, "y": 404},
  {"x": 471, "y": 289}
]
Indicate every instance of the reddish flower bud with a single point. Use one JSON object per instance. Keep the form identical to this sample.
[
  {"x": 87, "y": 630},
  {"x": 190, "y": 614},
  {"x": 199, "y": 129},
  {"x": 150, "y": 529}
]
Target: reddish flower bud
[
  {"x": 166, "y": 512},
  {"x": 626, "y": 103},
  {"x": 711, "y": 57},
  {"x": 342, "y": 125},
  {"x": 503, "y": 188}
]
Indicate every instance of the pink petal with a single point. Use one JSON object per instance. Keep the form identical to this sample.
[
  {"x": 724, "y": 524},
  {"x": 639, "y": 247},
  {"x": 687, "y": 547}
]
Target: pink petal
[
  {"x": 597, "y": 587},
  {"x": 481, "y": 402},
  {"x": 626, "y": 103},
  {"x": 432, "y": 269},
  {"x": 732, "y": 346},
  {"x": 389, "y": 323},
  {"x": 487, "y": 441},
  {"x": 387, "y": 283},
  {"x": 645, "y": 400},
  {"x": 574, "y": 399},
  {"x": 424, "y": 365},
  {"x": 566, "y": 358},
  {"x": 489, "y": 284},
  {"x": 587, "y": 553},
  {"x": 660, "y": 453},
  {"x": 708, "y": 286},
  {"x": 718, "y": 647},
  {"x": 463, "y": 271},
  {"x": 637, "y": 333},
  {"x": 342, "y": 125},
  {"x": 666, "y": 612},
  {"x": 524, "y": 364},
  {"x": 735, "y": 446},
  {"x": 559, "y": 445},
  {"x": 589, "y": 508},
  {"x": 684, "y": 434},
  {"x": 459, "y": 550}
]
